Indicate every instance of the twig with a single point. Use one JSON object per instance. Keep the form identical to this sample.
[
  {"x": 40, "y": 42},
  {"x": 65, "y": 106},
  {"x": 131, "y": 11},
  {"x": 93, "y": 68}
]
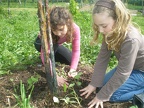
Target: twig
[{"x": 8, "y": 100}]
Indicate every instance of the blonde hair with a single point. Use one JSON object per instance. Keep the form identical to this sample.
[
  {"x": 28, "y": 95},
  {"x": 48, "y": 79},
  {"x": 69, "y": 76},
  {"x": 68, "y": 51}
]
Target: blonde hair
[{"x": 122, "y": 21}]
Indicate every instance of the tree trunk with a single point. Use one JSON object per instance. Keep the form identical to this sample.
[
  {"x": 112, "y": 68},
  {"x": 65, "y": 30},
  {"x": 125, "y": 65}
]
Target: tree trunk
[
  {"x": 8, "y": 7},
  {"x": 143, "y": 7},
  {"x": 20, "y": 2}
]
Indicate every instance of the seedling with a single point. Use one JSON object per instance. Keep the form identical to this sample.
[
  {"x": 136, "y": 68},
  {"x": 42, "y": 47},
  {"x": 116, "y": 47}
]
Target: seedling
[
  {"x": 23, "y": 101},
  {"x": 72, "y": 98}
]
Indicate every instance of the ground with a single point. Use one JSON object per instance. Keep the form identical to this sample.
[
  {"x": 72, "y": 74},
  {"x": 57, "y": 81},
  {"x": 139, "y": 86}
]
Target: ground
[{"x": 41, "y": 96}]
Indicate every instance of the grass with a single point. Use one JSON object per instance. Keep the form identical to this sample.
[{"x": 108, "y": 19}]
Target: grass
[
  {"x": 18, "y": 31},
  {"x": 20, "y": 28}
]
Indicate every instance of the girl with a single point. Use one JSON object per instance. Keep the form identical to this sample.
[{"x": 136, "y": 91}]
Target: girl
[
  {"x": 111, "y": 19},
  {"x": 64, "y": 30}
]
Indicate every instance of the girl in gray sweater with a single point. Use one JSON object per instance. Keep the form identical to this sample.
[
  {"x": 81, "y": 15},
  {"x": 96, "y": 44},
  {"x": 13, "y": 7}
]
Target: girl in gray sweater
[{"x": 120, "y": 36}]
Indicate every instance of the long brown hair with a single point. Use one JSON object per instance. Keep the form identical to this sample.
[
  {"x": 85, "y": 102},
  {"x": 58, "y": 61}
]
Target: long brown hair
[
  {"x": 122, "y": 19},
  {"x": 61, "y": 16}
]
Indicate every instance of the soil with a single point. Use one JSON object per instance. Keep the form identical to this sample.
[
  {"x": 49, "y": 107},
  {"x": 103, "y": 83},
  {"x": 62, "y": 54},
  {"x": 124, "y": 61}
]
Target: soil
[{"x": 41, "y": 96}]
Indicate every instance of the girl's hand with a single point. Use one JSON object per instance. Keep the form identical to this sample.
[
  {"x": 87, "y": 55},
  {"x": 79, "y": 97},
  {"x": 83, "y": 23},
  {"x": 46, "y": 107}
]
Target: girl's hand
[
  {"x": 72, "y": 73},
  {"x": 96, "y": 102},
  {"x": 61, "y": 81},
  {"x": 87, "y": 90}
]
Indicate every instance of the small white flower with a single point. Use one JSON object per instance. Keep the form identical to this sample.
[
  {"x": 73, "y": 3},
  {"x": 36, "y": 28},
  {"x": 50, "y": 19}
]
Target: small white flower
[{"x": 55, "y": 99}]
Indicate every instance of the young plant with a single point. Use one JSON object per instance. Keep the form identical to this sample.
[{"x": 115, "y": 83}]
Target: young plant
[
  {"x": 23, "y": 101},
  {"x": 72, "y": 98},
  {"x": 31, "y": 81}
]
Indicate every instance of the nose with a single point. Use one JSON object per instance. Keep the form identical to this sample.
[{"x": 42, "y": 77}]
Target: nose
[
  {"x": 101, "y": 30},
  {"x": 58, "y": 33}
]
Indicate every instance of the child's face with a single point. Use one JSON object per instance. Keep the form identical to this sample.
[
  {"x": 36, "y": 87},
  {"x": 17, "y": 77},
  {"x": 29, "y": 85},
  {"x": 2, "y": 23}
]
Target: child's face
[
  {"x": 61, "y": 30},
  {"x": 104, "y": 22}
]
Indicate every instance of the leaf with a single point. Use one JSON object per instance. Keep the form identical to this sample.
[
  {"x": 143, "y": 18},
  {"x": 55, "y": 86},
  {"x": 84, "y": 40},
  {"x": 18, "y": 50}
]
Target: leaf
[
  {"x": 65, "y": 87},
  {"x": 71, "y": 85},
  {"x": 78, "y": 83},
  {"x": 31, "y": 81},
  {"x": 78, "y": 75}
]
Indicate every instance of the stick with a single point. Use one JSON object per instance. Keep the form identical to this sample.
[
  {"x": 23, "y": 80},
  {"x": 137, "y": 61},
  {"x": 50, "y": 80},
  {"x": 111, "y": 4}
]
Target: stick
[
  {"x": 44, "y": 40},
  {"x": 50, "y": 75},
  {"x": 51, "y": 46}
]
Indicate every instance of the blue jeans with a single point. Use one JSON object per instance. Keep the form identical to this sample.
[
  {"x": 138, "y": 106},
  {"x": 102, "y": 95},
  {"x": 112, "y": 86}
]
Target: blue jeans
[{"x": 133, "y": 85}]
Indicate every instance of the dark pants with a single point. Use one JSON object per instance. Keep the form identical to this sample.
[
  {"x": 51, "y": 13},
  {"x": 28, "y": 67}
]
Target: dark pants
[{"x": 62, "y": 54}]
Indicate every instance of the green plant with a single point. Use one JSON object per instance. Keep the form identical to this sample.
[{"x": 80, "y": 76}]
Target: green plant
[
  {"x": 72, "y": 96},
  {"x": 31, "y": 81},
  {"x": 2, "y": 72},
  {"x": 133, "y": 107},
  {"x": 2, "y": 11},
  {"x": 23, "y": 101},
  {"x": 73, "y": 7}
]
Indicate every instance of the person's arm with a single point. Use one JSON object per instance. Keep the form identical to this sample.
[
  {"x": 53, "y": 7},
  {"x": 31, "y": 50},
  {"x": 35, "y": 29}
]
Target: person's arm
[
  {"x": 128, "y": 54},
  {"x": 99, "y": 71},
  {"x": 75, "y": 48},
  {"x": 100, "y": 66}
]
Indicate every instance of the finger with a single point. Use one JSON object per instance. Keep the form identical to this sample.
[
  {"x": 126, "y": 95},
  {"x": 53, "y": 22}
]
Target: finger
[
  {"x": 85, "y": 92},
  {"x": 67, "y": 83},
  {"x": 74, "y": 74},
  {"x": 90, "y": 102},
  {"x": 65, "y": 80},
  {"x": 69, "y": 75},
  {"x": 91, "y": 105},
  {"x": 58, "y": 83},
  {"x": 82, "y": 89},
  {"x": 101, "y": 104},
  {"x": 87, "y": 95},
  {"x": 97, "y": 105}
]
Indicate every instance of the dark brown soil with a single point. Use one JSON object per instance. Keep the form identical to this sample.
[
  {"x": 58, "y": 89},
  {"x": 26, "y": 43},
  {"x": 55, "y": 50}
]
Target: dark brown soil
[{"x": 41, "y": 96}]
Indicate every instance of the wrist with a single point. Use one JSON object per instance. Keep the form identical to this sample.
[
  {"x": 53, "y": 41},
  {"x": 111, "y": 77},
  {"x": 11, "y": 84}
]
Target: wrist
[{"x": 72, "y": 70}]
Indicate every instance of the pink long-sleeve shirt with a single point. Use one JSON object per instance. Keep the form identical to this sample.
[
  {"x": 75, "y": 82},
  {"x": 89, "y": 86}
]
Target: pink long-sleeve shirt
[{"x": 75, "y": 47}]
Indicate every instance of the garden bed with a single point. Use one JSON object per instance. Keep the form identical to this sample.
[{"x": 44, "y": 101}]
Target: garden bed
[{"x": 41, "y": 96}]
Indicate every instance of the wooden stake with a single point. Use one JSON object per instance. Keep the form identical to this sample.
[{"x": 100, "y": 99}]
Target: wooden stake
[
  {"x": 51, "y": 45},
  {"x": 50, "y": 76}
]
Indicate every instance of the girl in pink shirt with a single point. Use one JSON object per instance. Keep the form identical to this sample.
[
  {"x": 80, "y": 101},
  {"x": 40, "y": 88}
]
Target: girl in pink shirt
[{"x": 64, "y": 30}]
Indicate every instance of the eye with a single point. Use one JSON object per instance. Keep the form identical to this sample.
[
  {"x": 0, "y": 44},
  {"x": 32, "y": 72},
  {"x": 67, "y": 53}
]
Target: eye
[
  {"x": 104, "y": 26},
  {"x": 61, "y": 29}
]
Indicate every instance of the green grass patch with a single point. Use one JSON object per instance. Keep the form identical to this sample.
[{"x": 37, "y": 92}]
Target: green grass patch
[{"x": 20, "y": 28}]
